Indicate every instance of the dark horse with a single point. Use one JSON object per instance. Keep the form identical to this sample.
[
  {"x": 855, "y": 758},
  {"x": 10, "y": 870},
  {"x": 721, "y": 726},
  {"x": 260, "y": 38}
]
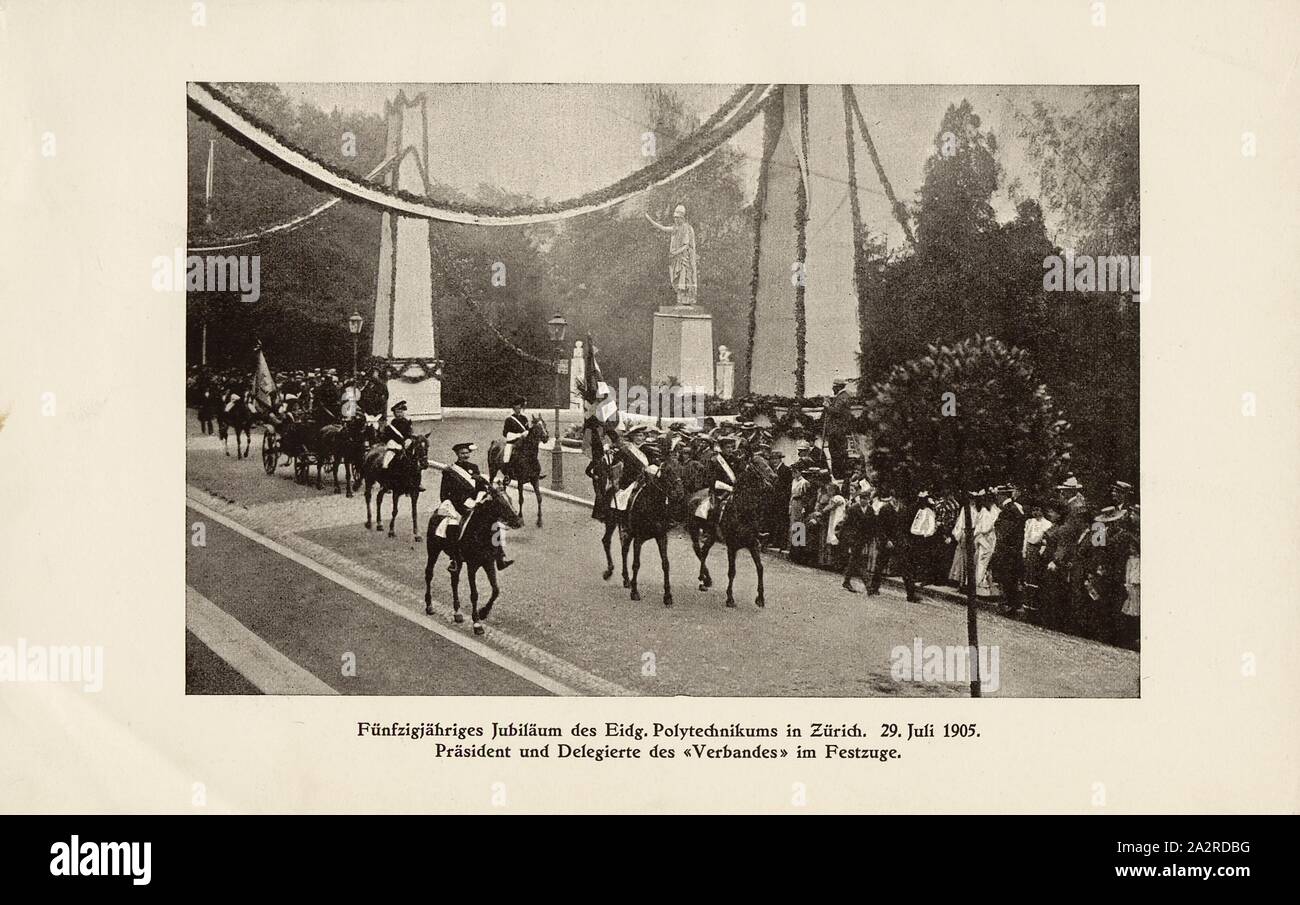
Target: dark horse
[
  {"x": 402, "y": 478},
  {"x": 524, "y": 467},
  {"x": 240, "y": 418},
  {"x": 738, "y": 525},
  {"x": 473, "y": 543},
  {"x": 343, "y": 444},
  {"x": 649, "y": 515}
]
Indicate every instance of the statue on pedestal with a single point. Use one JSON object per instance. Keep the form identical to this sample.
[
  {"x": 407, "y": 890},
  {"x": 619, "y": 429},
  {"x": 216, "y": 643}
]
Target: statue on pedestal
[{"x": 683, "y": 264}]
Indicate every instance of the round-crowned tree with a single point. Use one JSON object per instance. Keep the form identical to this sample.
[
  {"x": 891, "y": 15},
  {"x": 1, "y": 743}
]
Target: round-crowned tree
[{"x": 965, "y": 416}]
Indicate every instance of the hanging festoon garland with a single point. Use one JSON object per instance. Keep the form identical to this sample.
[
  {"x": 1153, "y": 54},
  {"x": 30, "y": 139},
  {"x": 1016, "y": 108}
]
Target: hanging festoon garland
[
  {"x": 229, "y": 242},
  {"x": 248, "y": 130},
  {"x": 788, "y": 416},
  {"x": 462, "y": 288},
  {"x": 423, "y": 368},
  {"x": 244, "y": 127}
]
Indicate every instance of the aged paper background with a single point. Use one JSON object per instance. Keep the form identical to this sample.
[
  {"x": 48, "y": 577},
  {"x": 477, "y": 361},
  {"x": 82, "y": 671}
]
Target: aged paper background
[{"x": 90, "y": 502}]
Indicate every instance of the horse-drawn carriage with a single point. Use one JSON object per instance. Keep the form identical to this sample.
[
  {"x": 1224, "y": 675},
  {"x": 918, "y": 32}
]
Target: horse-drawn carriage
[
  {"x": 293, "y": 441},
  {"x": 324, "y": 445}
]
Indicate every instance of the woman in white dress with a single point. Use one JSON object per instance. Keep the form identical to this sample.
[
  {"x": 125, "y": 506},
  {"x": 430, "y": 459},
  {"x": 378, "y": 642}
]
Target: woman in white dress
[
  {"x": 958, "y": 571},
  {"x": 986, "y": 516}
]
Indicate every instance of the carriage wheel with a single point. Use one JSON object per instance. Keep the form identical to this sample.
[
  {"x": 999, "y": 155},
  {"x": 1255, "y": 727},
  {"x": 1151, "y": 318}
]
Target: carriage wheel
[{"x": 270, "y": 454}]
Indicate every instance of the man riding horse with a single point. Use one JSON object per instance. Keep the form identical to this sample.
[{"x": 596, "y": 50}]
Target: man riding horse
[
  {"x": 722, "y": 478},
  {"x": 515, "y": 428},
  {"x": 463, "y": 488},
  {"x": 633, "y": 466},
  {"x": 397, "y": 434}
]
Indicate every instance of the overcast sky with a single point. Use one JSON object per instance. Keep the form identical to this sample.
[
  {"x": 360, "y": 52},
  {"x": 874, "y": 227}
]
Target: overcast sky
[{"x": 558, "y": 141}]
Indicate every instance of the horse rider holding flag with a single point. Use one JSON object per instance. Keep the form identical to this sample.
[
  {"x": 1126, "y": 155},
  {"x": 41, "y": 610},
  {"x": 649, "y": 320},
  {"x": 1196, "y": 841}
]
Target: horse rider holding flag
[
  {"x": 515, "y": 428},
  {"x": 463, "y": 488}
]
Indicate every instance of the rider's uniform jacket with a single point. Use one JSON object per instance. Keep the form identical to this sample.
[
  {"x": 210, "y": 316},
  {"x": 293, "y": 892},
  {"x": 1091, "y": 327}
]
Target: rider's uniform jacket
[
  {"x": 461, "y": 484},
  {"x": 634, "y": 463},
  {"x": 722, "y": 474},
  {"x": 397, "y": 431},
  {"x": 515, "y": 427}
]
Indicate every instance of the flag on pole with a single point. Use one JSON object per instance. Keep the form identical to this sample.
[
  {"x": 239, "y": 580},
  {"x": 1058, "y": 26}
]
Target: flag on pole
[
  {"x": 599, "y": 404},
  {"x": 264, "y": 390},
  {"x": 600, "y": 400}
]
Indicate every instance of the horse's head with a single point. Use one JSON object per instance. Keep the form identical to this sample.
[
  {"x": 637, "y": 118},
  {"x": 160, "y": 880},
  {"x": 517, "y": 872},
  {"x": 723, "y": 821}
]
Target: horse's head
[
  {"x": 537, "y": 430},
  {"x": 420, "y": 451},
  {"x": 502, "y": 509}
]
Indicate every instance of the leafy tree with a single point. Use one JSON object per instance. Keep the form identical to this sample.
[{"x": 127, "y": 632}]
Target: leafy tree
[
  {"x": 964, "y": 416},
  {"x": 1088, "y": 167},
  {"x": 970, "y": 275}
]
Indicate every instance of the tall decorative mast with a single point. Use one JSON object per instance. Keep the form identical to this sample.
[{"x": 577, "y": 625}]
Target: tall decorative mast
[{"x": 403, "y": 324}]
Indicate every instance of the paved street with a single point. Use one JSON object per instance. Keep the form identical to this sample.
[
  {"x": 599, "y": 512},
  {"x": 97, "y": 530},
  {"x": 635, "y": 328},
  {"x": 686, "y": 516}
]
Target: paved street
[{"x": 291, "y": 594}]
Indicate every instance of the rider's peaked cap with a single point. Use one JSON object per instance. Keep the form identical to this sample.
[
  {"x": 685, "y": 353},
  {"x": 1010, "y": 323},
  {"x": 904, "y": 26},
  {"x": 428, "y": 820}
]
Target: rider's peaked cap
[
  {"x": 463, "y": 447},
  {"x": 519, "y": 401},
  {"x": 399, "y": 405}
]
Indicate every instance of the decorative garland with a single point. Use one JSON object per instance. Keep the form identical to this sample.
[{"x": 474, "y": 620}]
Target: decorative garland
[
  {"x": 772, "y": 124},
  {"x": 791, "y": 415},
  {"x": 468, "y": 297},
  {"x": 249, "y": 131},
  {"x": 287, "y": 226},
  {"x": 900, "y": 212},
  {"x": 859, "y": 235},
  {"x": 389, "y": 370},
  {"x": 801, "y": 252}
]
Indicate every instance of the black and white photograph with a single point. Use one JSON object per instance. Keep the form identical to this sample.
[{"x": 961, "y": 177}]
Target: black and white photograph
[
  {"x": 537, "y": 407},
  {"x": 663, "y": 389}
]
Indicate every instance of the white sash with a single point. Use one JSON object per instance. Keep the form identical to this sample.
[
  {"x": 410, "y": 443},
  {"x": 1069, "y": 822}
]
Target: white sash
[
  {"x": 462, "y": 474},
  {"x": 731, "y": 475}
]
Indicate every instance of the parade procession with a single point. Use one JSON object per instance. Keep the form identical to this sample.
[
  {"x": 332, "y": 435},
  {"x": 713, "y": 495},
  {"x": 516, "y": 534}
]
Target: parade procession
[{"x": 756, "y": 322}]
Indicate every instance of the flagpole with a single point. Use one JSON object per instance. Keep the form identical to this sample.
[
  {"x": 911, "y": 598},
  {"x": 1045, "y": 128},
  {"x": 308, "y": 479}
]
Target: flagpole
[
  {"x": 207, "y": 184},
  {"x": 207, "y": 220}
]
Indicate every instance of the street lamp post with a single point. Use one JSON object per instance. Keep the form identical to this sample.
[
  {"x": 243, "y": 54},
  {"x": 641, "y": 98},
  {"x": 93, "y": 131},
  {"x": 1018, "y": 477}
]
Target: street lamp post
[
  {"x": 354, "y": 327},
  {"x": 555, "y": 329}
]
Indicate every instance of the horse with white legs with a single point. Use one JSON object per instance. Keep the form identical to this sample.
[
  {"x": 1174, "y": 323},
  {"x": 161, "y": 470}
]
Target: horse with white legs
[
  {"x": 525, "y": 465},
  {"x": 401, "y": 478},
  {"x": 472, "y": 543},
  {"x": 738, "y": 526}
]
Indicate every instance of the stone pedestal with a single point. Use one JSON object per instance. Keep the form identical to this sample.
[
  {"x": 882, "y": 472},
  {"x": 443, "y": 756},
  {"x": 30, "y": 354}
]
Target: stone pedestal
[
  {"x": 423, "y": 397},
  {"x": 683, "y": 348},
  {"x": 724, "y": 375}
]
